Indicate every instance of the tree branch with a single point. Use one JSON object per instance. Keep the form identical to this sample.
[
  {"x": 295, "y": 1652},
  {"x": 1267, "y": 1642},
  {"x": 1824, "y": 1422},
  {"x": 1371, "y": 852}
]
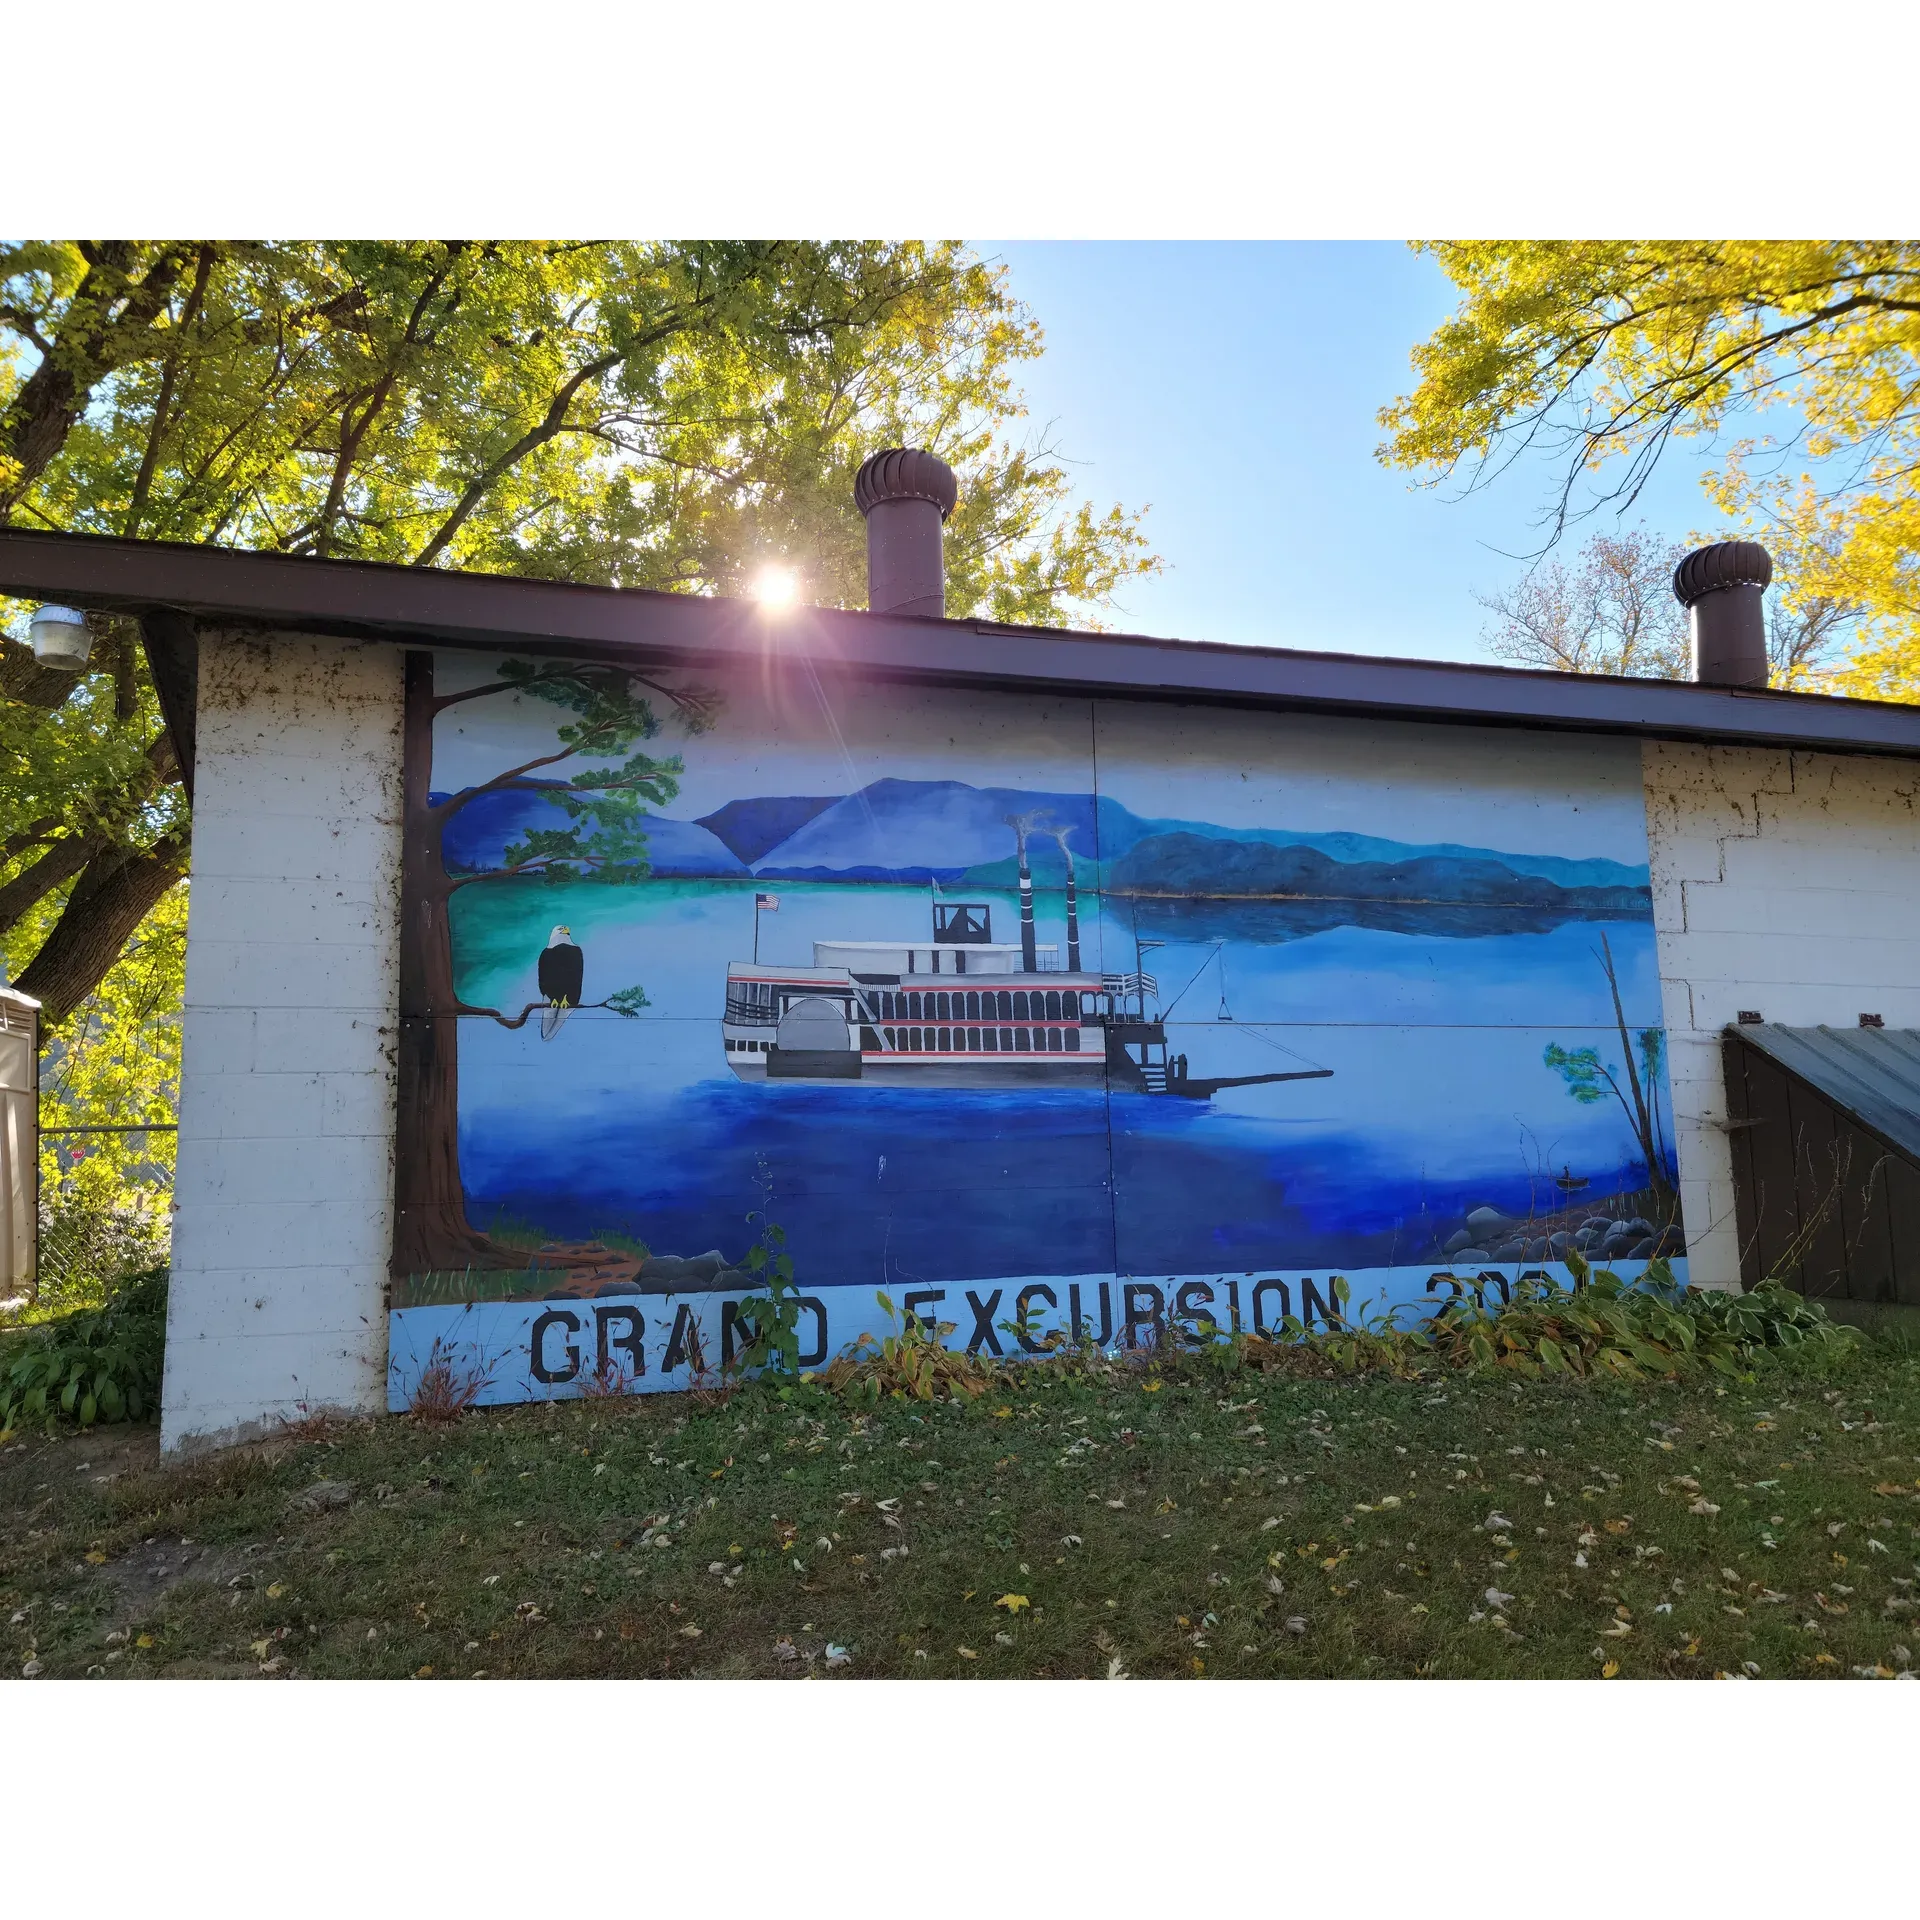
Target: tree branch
[
  {"x": 51, "y": 400},
  {"x": 50, "y": 872},
  {"x": 553, "y": 422},
  {"x": 163, "y": 400},
  {"x": 115, "y": 892},
  {"x": 23, "y": 678},
  {"x": 353, "y": 432},
  {"x": 533, "y": 1006}
]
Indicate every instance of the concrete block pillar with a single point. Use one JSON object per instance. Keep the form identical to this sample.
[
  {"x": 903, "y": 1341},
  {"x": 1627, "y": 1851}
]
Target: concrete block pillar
[
  {"x": 283, "y": 1196},
  {"x": 1785, "y": 884}
]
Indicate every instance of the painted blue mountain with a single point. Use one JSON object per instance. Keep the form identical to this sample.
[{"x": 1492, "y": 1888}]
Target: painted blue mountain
[
  {"x": 751, "y": 829},
  {"x": 479, "y": 834},
  {"x": 914, "y": 831}
]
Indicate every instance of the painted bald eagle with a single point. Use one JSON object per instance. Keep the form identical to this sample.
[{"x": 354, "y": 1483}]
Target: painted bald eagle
[{"x": 562, "y": 971}]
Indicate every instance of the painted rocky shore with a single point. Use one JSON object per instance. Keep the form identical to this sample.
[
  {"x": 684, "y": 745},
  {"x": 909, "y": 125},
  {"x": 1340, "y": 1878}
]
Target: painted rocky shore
[{"x": 1497, "y": 1239}]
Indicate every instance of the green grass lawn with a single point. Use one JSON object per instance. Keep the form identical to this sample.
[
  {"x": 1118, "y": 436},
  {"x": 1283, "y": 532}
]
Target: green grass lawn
[{"x": 1141, "y": 1524}]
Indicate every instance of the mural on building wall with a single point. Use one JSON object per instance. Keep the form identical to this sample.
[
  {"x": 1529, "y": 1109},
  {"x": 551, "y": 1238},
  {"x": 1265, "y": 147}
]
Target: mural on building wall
[{"x": 1071, "y": 1012}]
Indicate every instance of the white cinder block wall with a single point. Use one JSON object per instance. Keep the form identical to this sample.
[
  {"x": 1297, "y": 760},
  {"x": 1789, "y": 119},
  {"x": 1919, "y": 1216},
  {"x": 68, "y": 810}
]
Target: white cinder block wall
[
  {"x": 283, "y": 1198},
  {"x": 1785, "y": 884}
]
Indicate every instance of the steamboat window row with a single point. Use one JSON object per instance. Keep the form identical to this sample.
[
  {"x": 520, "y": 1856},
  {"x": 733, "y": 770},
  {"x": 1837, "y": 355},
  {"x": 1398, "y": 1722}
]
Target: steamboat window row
[
  {"x": 983, "y": 1039},
  {"x": 1053, "y": 1004}
]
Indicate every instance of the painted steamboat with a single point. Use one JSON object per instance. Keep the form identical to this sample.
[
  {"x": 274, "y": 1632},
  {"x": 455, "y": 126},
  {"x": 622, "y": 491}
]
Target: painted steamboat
[{"x": 960, "y": 1010}]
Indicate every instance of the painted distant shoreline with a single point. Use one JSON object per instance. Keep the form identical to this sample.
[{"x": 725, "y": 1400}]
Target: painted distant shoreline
[{"x": 880, "y": 833}]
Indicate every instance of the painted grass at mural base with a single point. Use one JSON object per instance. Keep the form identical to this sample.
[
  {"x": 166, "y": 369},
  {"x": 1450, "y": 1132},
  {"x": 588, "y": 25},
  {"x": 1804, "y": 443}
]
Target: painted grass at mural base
[
  {"x": 569, "y": 1345},
  {"x": 1142, "y": 1525}
]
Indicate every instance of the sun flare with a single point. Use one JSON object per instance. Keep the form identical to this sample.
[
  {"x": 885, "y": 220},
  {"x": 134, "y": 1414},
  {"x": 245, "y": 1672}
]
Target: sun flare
[{"x": 776, "y": 587}]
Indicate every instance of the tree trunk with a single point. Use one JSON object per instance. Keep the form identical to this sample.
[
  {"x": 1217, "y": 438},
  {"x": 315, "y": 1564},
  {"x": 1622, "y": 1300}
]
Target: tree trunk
[
  {"x": 114, "y": 893},
  {"x": 94, "y": 340},
  {"x": 431, "y": 1230},
  {"x": 23, "y": 678},
  {"x": 52, "y": 870}
]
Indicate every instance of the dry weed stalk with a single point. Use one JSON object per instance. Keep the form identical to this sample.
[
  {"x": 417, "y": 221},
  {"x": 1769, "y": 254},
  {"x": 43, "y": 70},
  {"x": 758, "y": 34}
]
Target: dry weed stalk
[{"x": 443, "y": 1392}]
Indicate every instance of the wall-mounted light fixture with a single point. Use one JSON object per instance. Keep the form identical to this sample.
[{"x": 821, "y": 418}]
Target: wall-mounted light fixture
[{"x": 61, "y": 638}]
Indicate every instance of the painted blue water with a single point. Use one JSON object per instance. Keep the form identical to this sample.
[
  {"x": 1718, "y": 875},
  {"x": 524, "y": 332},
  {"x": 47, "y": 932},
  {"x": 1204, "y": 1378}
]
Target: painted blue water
[
  {"x": 1438, "y": 1102},
  {"x": 946, "y": 1186}
]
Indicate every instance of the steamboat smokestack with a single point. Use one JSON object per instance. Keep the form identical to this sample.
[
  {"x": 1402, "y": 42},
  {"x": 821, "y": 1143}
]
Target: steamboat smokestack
[
  {"x": 1029, "y": 953},
  {"x": 1073, "y": 904},
  {"x": 1720, "y": 586},
  {"x": 906, "y": 495}
]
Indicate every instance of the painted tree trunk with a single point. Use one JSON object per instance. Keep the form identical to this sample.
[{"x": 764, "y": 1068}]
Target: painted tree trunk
[
  {"x": 431, "y": 1230},
  {"x": 1638, "y": 1115}
]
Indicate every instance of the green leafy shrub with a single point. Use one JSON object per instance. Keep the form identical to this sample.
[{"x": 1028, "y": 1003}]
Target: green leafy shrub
[
  {"x": 99, "y": 1364},
  {"x": 1773, "y": 1315},
  {"x": 770, "y": 1320},
  {"x": 911, "y": 1363},
  {"x": 1602, "y": 1326}
]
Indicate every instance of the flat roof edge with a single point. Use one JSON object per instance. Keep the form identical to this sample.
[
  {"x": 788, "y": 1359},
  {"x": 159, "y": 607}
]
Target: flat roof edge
[{"x": 399, "y": 604}]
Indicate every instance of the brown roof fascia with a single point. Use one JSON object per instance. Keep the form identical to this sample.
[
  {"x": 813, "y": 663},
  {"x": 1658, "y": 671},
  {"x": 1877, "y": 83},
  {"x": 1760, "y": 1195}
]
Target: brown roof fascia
[{"x": 227, "y": 586}]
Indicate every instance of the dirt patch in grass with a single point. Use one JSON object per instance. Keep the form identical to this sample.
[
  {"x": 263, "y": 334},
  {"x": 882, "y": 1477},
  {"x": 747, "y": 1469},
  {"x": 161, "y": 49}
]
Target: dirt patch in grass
[{"x": 1144, "y": 1524}]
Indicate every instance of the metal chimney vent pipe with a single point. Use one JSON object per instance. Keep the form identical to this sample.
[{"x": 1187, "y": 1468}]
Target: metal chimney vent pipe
[
  {"x": 1720, "y": 586},
  {"x": 906, "y": 494}
]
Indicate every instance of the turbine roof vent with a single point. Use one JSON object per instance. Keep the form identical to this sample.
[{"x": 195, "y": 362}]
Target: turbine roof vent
[
  {"x": 905, "y": 473},
  {"x": 1732, "y": 563}
]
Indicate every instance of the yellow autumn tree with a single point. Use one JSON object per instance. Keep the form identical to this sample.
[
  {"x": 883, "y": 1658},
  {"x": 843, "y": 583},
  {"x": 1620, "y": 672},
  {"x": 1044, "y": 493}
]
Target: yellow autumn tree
[{"x": 1599, "y": 353}]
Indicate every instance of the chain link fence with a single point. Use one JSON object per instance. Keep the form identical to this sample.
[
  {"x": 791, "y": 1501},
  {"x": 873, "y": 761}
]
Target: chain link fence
[{"x": 92, "y": 1239}]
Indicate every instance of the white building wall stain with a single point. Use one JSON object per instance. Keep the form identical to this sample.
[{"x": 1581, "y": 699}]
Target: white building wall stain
[
  {"x": 1785, "y": 884},
  {"x": 283, "y": 1196}
]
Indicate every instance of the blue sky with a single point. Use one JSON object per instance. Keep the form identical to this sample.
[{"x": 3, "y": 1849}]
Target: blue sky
[{"x": 1233, "y": 387}]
